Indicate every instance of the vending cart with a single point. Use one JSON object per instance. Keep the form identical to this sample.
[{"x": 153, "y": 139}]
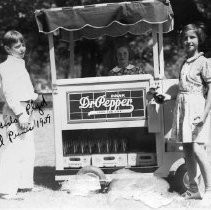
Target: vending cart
[{"x": 108, "y": 122}]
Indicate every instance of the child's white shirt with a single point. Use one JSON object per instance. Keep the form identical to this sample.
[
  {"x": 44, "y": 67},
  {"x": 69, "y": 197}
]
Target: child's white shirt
[{"x": 16, "y": 83}]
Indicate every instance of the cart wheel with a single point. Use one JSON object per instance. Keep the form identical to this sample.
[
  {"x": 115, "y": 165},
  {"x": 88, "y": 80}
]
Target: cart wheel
[
  {"x": 92, "y": 171},
  {"x": 181, "y": 179}
]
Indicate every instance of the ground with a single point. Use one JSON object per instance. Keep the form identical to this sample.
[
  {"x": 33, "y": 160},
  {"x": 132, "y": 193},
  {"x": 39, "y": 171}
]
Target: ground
[{"x": 52, "y": 196}]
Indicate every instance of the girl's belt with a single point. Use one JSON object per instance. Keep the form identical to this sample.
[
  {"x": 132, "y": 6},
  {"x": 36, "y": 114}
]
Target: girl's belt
[
  {"x": 28, "y": 101},
  {"x": 191, "y": 92}
]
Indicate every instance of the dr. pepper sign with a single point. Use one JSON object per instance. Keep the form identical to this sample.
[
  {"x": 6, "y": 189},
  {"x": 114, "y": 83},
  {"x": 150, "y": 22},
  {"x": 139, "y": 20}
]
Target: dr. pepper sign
[{"x": 106, "y": 105}]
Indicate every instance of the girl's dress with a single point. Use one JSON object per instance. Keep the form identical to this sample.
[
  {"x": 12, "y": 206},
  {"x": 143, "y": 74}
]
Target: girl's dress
[
  {"x": 129, "y": 70},
  {"x": 190, "y": 102},
  {"x": 17, "y": 155}
]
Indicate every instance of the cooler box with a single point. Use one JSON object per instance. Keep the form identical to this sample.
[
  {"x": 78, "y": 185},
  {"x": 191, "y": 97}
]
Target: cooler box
[
  {"x": 76, "y": 161},
  {"x": 109, "y": 160},
  {"x": 141, "y": 159}
]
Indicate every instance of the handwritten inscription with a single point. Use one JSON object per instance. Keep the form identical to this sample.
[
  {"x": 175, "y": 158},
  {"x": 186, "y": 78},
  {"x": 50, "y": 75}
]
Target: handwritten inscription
[
  {"x": 37, "y": 123},
  {"x": 1, "y": 141},
  {"x": 13, "y": 135},
  {"x": 30, "y": 107},
  {"x": 10, "y": 122},
  {"x": 42, "y": 121}
]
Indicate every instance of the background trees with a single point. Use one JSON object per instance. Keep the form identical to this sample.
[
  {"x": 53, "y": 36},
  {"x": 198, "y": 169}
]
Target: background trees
[{"x": 19, "y": 14}]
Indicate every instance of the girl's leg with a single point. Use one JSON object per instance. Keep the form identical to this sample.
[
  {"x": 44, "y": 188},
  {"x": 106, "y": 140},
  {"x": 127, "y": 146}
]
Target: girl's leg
[
  {"x": 27, "y": 164},
  {"x": 10, "y": 159},
  {"x": 191, "y": 165},
  {"x": 205, "y": 168},
  {"x": 10, "y": 169}
]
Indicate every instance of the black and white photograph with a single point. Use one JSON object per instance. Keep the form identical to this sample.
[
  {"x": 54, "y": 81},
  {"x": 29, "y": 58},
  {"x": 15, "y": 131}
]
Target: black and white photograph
[{"x": 105, "y": 104}]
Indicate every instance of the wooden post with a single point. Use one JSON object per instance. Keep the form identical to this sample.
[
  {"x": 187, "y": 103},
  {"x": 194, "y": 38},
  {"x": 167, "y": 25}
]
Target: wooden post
[
  {"x": 71, "y": 47},
  {"x": 158, "y": 74},
  {"x": 56, "y": 108},
  {"x": 160, "y": 46},
  {"x": 155, "y": 52},
  {"x": 52, "y": 58}
]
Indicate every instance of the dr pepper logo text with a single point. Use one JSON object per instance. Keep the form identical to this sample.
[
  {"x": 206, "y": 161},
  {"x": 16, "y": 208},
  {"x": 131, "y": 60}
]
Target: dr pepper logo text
[{"x": 111, "y": 105}]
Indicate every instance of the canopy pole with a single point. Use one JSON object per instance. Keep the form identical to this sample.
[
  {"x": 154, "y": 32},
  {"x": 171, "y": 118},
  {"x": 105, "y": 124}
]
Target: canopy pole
[
  {"x": 71, "y": 47},
  {"x": 52, "y": 58},
  {"x": 158, "y": 72},
  {"x": 155, "y": 52},
  {"x": 56, "y": 107},
  {"x": 160, "y": 46}
]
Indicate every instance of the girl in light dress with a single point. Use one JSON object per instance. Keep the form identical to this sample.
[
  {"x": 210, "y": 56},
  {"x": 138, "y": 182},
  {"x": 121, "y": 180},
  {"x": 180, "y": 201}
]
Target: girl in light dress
[
  {"x": 17, "y": 153},
  {"x": 191, "y": 122}
]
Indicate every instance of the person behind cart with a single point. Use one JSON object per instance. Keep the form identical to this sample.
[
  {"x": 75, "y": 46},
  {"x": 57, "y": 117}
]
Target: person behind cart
[
  {"x": 124, "y": 67},
  {"x": 191, "y": 122},
  {"x": 17, "y": 151}
]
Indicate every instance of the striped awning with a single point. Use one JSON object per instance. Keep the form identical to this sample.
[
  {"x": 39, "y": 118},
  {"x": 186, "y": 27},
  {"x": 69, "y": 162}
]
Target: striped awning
[{"x": 112, "y": 19}]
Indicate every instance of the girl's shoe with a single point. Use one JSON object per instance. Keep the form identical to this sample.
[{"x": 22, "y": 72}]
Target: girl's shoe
[
  {"x": 11, "y": 197},
  {"x": 192, "y": 195},
  {"x": 37, "y": 189},
  {"x": 34, "y": 189}
]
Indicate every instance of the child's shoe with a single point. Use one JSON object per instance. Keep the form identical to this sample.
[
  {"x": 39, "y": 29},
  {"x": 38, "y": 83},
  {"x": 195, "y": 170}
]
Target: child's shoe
[
  {"x": 37, "y": 189},
  {"x": 34, "y": 189},
  {"x": 11, "y": 197},
  {"x": 192, "y": 195}
]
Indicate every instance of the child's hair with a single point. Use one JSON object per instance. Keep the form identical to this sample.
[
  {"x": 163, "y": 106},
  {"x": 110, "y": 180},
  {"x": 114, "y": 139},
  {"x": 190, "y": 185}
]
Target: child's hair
[
  {"x": 125, "y": 45},
  {"x": 199, "y": 29},
  {"x": 12, "y": 37}
]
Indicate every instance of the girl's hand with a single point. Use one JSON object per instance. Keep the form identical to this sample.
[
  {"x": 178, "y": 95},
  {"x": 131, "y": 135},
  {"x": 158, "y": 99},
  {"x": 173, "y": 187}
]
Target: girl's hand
[
  {"x": 198, "y": 121},
  {"x": 161, "y": 98},
  {"x": 23, "y": 120}
]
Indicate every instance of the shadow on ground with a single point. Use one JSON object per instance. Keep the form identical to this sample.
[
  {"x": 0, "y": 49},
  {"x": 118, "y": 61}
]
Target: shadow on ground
[{"x": 45, "y": 176}]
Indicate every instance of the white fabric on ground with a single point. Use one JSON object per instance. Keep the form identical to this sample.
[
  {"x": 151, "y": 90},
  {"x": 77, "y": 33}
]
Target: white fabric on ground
[
  {"x": 82, "y": 185},
  {"x": 147, "y": 188}
]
